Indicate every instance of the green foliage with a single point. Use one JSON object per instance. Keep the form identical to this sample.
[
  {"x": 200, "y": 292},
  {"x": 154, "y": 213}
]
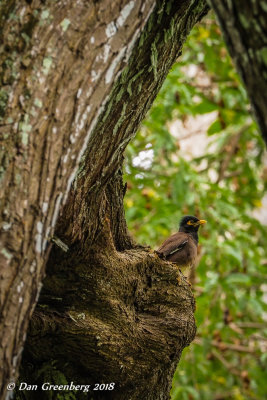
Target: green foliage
[{"x": 224, "y": 185}]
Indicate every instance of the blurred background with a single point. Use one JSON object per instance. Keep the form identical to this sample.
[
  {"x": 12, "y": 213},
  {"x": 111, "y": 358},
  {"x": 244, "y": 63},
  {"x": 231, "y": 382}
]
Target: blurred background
[{"x": 199, "y": 152}]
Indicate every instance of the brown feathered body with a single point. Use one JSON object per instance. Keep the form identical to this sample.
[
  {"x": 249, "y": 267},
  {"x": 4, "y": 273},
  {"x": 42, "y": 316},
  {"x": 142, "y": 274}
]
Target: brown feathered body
[{"x": 181, "y": 249}]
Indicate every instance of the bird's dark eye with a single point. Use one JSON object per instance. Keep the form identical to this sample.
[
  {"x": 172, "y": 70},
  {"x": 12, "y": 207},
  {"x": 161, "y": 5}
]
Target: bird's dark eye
[{"x": 190, "y": 222}]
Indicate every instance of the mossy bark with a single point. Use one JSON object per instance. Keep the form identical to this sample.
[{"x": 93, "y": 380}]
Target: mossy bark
[{"x": 78, "y": 78}]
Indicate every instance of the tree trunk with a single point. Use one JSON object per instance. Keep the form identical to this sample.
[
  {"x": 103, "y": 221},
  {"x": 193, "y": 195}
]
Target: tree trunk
[
  {"x": 244, "y": 25},
  {"x": 77, "y": 79}
]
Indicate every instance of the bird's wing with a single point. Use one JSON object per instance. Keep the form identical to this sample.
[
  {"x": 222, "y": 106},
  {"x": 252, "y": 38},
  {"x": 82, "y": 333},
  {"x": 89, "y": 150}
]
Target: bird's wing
[
  {"x": 178, "y": 247},
  {"x": 173, "y": 244}
]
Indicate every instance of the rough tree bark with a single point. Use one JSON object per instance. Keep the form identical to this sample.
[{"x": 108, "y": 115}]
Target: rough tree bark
[
  {"x": 77, "y": 78},
  {"x": 244, "y": 25}
]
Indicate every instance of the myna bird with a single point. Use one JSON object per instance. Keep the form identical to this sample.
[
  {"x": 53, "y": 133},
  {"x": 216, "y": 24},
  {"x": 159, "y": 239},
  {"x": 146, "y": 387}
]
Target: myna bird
[{"x": 181, "y": 247}]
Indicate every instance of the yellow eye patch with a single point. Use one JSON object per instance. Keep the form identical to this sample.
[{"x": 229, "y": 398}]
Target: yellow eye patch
[{"x": 190, "y": 223}]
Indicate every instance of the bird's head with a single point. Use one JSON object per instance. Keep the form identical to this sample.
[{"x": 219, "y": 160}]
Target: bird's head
[{"x": 190, "y": 224}]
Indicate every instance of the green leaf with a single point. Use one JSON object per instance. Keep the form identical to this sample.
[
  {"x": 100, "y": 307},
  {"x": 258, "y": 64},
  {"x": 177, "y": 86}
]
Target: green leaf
[
  {"x": 215, "y": 127},
  {"x": 238, "y": 279}
]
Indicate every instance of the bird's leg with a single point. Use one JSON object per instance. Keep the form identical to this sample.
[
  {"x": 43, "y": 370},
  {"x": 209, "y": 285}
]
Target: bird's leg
[
  {"x": 179, "y": 280},
  {"x": 187, "y": 281},
  {"x": 186, "y": 278}
]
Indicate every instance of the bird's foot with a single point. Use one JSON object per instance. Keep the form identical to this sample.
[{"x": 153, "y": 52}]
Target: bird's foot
[{"x": 187, "y": 281}]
